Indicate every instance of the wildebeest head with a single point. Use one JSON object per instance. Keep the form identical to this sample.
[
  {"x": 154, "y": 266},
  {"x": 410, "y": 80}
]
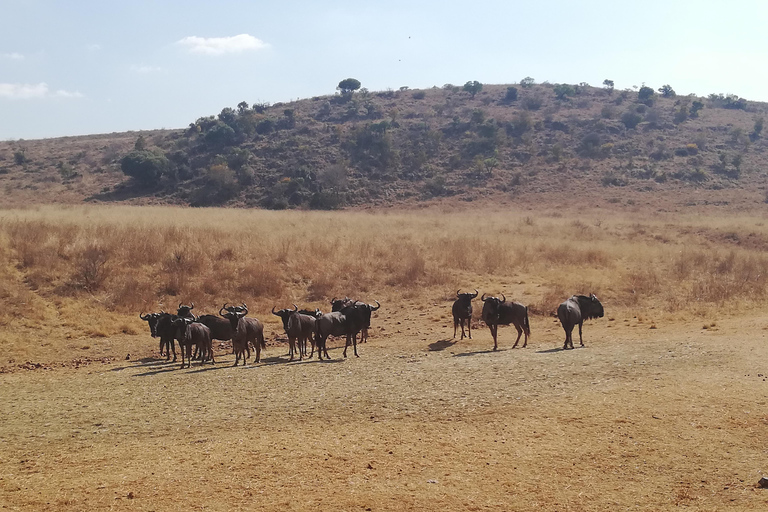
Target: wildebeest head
[
  {"x": 491, "y": 307},
  {"x": 590, "y": 307},
  {"x": 339, "y": 304},
  {"x": 234, "y": 313},
  {"x": 285, "y": 314},
  {"x": 180, "y": 325},
  {"x": 316, "y": 313},
  {"x": 185, "y": 310},
  {"x": 465, "y": 297},
  {"x": 152, "y": 319}
]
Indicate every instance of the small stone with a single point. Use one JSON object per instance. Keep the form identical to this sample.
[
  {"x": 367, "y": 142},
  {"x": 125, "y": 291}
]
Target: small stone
[{"x": 763, "y": 483}]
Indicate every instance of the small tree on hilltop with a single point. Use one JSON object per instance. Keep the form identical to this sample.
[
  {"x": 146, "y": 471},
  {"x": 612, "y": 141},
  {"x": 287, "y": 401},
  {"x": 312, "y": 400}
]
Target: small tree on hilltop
[
  {"x": 644, "y": 93},
  {"x": 667, "y": 91},
  {"x": 527, "y": 82},
  {"x": 608, "y": 85},
  {"x": 348, "y": 85},
  {"x": 562, "y": 91},
  {"x": 473, "y": 87}
]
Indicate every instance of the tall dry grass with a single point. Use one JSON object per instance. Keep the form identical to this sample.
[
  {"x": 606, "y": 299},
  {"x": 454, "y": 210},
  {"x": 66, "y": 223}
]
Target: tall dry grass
[{"x": 90, "y": 270}]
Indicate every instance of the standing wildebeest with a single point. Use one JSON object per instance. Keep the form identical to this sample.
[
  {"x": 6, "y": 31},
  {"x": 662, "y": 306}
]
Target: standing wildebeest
[
  {"x": 298, "y": 327},
  {"x": 498, "y": 311},
  {"x": 189, "y": 332},
  {"x": 152, "y": 320},
  {"x": 166, "y": 332},
  {"x": 574, "y": 311},
  {"x": 462, "y": 310},
  {"x": 347, "y": 322},
  {"x": 245, "y": 330},
  {"x": 338, "y": 304},
  {"x": 185, "y": 311}
]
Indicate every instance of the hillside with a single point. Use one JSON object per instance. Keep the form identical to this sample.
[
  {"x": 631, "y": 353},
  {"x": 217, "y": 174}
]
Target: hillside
[{"x": 527, "y": 143}]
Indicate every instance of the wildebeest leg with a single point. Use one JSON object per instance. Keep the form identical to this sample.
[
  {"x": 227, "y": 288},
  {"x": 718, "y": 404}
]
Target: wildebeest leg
[
  {"x": 494, "y": 332},
  {"x": 580, "y": 340},
  {"x": 364, "y": 335},
  {"x": 346, "y": 344},
  {"x": 469, "y": 327},
  {"x": 519, "y": 333},
  {"x": 354, "y": 344},
  {"x": 291, "y": 347},
  {"x": 172, "y": 343},
  {"x": 455, "y": 326},
  {"x": 568, "y": 337}
]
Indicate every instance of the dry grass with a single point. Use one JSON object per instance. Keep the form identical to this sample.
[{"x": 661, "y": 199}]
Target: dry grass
[{"x": 88, "y": 271}]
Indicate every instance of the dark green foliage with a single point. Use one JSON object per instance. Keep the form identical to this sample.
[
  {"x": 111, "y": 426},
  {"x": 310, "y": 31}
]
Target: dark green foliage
[
  {"x": 758, "y": 129},
  {"x": 590, "y": 145},
  {"x": 348, "y": 85},
  {"x": 473, "y": 87},
  {"x": 696, "y": 106},
  {"x": 527, "y": 82},
  {"x": 140, "y": 144},
  {"x": 608, "y": 85},
  {"x": 266, "y": 126},
  {"x": 645, "y": 93},
  {"x": 419, "y": 95},
  {"x": 220, "y": 135},
  {"x": 511, "y": 94},
  {"x": 371, "y": 148},
  {"x": 631, "y": 119},
  {"x": 219, "y": 186},
  {"x": 563, "y": 91},
  {"x": 519, "y": 125},
  {"x": 667, "y": 91},
  {"x": 436, "y": 187},
  {"x": 145, "y": 166},
  {"x": 681, "y": 114},
  {"x": 228, "y": 116},
  {"x": 532, "y": 102},
  {"x": 242, "y": 108}
]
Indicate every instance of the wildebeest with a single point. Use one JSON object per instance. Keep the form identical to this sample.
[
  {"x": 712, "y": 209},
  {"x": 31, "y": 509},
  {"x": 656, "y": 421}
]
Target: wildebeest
[
  {"x": 498, "y": 311},
  {"x": 189, "y": 332},
  {"x": 338, "y": 304},
  {"x": 349, "y": 321},
  {"x": 462, "y": 311},
  {"x": 152, "y": 319},
  {"x": 246, "y": 330},
  {"x": 574, "y": 311},
  {"x": 185, "y": 311},
  {"x": 298, "y": 327},
  {"x": 166, "y": 332}
]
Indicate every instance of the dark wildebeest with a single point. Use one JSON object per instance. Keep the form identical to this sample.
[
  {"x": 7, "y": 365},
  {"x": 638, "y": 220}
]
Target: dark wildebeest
[
  {"x": 347, "y": 322},
  {"x": 167, "y": 333},
  {"x": 185, "y": 311},
  {"x": 298, "y": 327},
  {"x": 152, "y": 320},
  {"x": 221, "y": 328},
  {"x": 338, "y": 304},
  {"x": 189, "y": 332},
  {"x": 246, "y": 330},
  {"x": 574, "y": 311},
  {"x": 462, "y": 310},
  {"x": 497, "y": 311}
]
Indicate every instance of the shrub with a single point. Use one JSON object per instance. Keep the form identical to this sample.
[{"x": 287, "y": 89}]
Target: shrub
[
  {"x": 473, "y": 87},
  {"x": 145, "y": 166},
  {"x": 527, "y": 82},
  {"x": 533, "y": 102},
  {"x": 511, "y": 94},
  {"x": 667, "y": 91},
  {"x": 419, "y": 95},
  {"x": 562, "y": 91},
  {"x": 645, "y": 93},
  {"x": 631, "y": 119}
]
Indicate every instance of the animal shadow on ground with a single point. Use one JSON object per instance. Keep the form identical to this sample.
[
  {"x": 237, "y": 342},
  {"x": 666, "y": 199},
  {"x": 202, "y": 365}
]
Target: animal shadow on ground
[
  {"x": 556, "y": 349},
  {"x": 144, "y": 362},
  {"x": 442, "y": 344},
  {"x": 476, "y": 352}
]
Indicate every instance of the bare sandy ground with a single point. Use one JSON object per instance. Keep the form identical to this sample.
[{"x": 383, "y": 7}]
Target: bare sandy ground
[{"x": 645, "y": 419}]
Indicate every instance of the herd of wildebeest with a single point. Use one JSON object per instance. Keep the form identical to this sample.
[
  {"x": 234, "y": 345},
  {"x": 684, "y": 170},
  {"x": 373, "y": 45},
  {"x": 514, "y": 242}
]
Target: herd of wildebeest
[{"x": 347, "y": 318}]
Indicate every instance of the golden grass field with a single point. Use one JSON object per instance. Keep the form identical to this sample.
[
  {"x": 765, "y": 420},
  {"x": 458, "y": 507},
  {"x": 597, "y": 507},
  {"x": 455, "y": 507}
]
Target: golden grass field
[{"x": 664, "y": 408}]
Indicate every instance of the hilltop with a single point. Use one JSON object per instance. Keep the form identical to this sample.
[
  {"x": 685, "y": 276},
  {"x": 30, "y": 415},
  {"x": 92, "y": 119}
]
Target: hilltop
[{"x": 525, "y": 143}]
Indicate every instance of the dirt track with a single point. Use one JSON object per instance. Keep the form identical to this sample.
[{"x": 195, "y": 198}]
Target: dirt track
[{"x": 641, "y": 418}]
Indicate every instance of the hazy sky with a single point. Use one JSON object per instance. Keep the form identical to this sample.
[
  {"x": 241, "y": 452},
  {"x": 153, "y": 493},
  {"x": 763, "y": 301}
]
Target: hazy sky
[{"x": 75, "y": 67}]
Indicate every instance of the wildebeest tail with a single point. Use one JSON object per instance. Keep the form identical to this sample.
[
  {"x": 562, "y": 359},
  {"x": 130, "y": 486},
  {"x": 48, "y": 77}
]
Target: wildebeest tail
[{"x": 526, "y": 324}]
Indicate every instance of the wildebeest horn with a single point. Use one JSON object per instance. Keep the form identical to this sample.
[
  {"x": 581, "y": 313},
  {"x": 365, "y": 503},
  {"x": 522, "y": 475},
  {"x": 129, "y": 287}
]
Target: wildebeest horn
[
  {"x": 457, "y": 292},
  {"x": 245, "y": 308},
  {"x": 273, "y": 311},
  {"x": 295, "y": 308},
  {"x": 333, "y": 300},
  {"x": 222, "y": 309},
  {"x": 483, "y": 298},
  {"x": 180, "y": 304},
  {"x": 143, "y": 317},
  {"x": 195, "y": 318},
  {"x": 476, "y": 292},
  {"x": 192, "y": 306},
  {"x": 377, "y": 305},
  {"x": 503, "y": 298}
]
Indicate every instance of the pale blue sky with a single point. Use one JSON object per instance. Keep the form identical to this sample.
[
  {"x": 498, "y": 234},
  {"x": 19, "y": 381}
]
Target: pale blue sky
[{"x": 80, "y": 67}]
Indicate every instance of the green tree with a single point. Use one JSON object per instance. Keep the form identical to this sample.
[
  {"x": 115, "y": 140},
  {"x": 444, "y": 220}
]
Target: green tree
[
  {"x": 511, "y": 94},
  {"x": 140, "y": 144},
  {"x": 667, "y": 91},
  {"x": 695, "y": 107},
  {"x": 145, "y": 166},
  {"x": 562, "y": 91},
  {"x": 348, "y": 85},
  {"x": 631, "y": 119},
  {"x": 527, "y": 82},
  {"x": 608, "y": 85},
  {"x": 645, "y": 93},
  {"x": 473, "y": 87},
  {"x": 242, "y": 107}
]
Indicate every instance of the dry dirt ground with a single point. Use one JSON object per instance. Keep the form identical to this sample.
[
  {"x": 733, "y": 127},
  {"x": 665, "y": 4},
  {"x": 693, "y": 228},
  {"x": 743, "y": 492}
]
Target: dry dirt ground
[{"x": 641, "y": 418}]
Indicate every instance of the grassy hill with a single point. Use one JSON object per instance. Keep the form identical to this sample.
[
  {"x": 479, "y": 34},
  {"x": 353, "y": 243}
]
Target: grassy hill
[{"x": 531, "y": 144}]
